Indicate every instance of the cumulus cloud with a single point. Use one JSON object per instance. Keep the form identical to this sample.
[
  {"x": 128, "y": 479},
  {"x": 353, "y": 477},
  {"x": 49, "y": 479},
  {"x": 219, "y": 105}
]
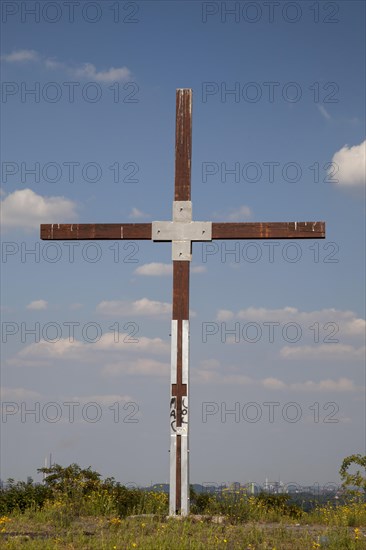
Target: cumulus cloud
[
  {"x": 224, "y": 315},
  {"x": 136, "y": 214},
  {"x": 16, "y": 394},
  {"x": 198, "y": 269},
  {"x": 273, "y": 384},
  {"x": 110, "y": 344},
  {"x": 20, "y": 55},
  {"x": 154, "y": 269},
  {"x": 105, "y": 400},
  {"x": 144, "y": 306},
  {"x": 25, "y": 209},
  {"x": 86, "y": 70},
  {"x": 141, "y": 366},
  {"x": 213, "y": 373},
  {"x": 351, "y": 164},
  {"x": 331, "y": 321},
  {"x": 340, "y": 385},
  {"x": 324, "y": 112},
  {"x": 324, "y": 351},
  {"x": 38, "y": 304},
  {"x": 239, "y": 214}
]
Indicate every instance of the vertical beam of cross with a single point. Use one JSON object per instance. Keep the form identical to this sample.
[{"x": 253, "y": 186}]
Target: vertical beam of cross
[{"x": 179, "y": 451}]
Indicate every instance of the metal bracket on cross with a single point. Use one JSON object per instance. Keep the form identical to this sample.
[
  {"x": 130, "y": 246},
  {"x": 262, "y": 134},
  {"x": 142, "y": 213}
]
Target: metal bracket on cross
[{"x": 182, "y": 231}]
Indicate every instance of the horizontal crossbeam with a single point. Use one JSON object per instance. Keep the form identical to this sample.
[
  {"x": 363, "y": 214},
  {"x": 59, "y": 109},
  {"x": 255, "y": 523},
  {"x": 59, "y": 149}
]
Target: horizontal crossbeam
[
  {"x": 269, "y": 230},
  {"x": 96, "y": 231},
  {"x": 143, "y": 231}
]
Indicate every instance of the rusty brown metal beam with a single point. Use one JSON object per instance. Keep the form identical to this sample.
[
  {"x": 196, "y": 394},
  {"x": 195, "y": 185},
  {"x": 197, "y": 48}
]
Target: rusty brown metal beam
[
  {"x": 183, "y": 145},
  {"x": 269, "y": 230},
  {"x": 89, "y": 231}
]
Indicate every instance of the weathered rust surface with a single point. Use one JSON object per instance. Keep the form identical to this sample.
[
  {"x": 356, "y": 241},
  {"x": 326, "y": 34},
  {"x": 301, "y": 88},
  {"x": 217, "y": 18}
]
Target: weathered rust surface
[
  {"x": 180, "y": 290},
  {"x": 269, "y": 230},
  {"x": 183, "y": 145},
  {"x": 100, "y": 231}
]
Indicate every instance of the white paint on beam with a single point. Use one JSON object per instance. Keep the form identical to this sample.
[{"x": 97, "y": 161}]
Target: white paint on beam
[
  {"x": 181, "y": 231},
  {"x": 185, "y": 350},
  {"x": 174, "y": 347},
  {"x": 172, "y": 482},
  {"x": 185, "y": 502}
]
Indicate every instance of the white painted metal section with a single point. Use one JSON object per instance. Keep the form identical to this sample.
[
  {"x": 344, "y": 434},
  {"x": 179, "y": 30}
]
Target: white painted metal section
[
  {"x": 185, "y": 501},
  {"x": 173, "y": 413},
  {"x": 173, "y": 356},
  {"x": 182, "y": 211},
  {"x": 181, "y": 231},
  {"x": 185, "y": 350},
  {"x": 182, "y": 250},
  {"x": 172, "y": 482},
  {"x": 185, "y": 475}
]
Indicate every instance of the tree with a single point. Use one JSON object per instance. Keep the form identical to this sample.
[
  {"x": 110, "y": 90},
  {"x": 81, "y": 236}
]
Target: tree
[
  {"x": 357, "y": 478},
  {"x": 71, "y": 479}
]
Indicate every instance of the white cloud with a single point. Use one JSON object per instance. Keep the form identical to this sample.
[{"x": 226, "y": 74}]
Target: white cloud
[
  {"x": 147, "y": 366},
  {"x": 214, "y": 377},
  {"x": 75, "y": 306},
  {"x": 355, "y": 327},
  {"x": 324, "y": 112},
  {"x": 263, "y": 314},
  {"x": 20, "y": 55},
  {"x": 44, "y": 353},
  {"x": 224, "y": 315},
  {"x": 154, "y": 269},
  {"x": 26, "y": 210},
  {"x": 53, "y": 64},
  {"x": 351, "y": 164},
  {"x": 209, "y": 364},
  {"x": 144, "y": 306},
  {"x": 323, "y": 351},
  {"x": 105, "y": 400},
  {"x": 13, "y": 394},
  {"x": 273, "y": 384},
  {"x": 198, "y": 269},
  {"x": 88, "y": 70},
  {"x": 331, "y": 322},
  {"x": 239, "y": 214},
  {"x": 137, "y": 214},
  {"x": 132, "y": 344},
  {"x": 38, "y": 304},
  {"x": 210, "y": 372},
  {"x": 340, "y": 385}
]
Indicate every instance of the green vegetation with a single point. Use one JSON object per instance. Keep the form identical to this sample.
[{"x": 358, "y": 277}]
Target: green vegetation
[
  {"x": 75, "y": 509},
  {"x": 356, "y": 479}
]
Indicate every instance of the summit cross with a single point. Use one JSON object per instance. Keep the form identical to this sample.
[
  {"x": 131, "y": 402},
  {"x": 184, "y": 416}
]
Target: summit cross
[{"x": 181, "y": 232}]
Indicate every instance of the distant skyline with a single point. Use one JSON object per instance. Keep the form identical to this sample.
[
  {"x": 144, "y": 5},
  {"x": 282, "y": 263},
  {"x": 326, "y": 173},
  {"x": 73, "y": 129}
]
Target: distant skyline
[{"x": 277, "y": 328}]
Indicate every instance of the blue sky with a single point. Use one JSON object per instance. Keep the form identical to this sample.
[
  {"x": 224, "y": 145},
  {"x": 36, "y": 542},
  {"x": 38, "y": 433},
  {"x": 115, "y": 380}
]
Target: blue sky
[{"x": 278, "y": 100}]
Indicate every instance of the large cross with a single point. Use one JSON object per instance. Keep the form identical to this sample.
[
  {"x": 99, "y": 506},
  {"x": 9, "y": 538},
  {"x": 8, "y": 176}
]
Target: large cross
[{"x": 181, "y": 231}]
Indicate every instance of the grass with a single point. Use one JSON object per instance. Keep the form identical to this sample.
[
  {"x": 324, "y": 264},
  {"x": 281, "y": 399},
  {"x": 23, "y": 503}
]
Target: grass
[
  {"x": 101, "y": 533},
  {"x": 76, "y": 510},
  {"x": 57, "y": 526}
]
